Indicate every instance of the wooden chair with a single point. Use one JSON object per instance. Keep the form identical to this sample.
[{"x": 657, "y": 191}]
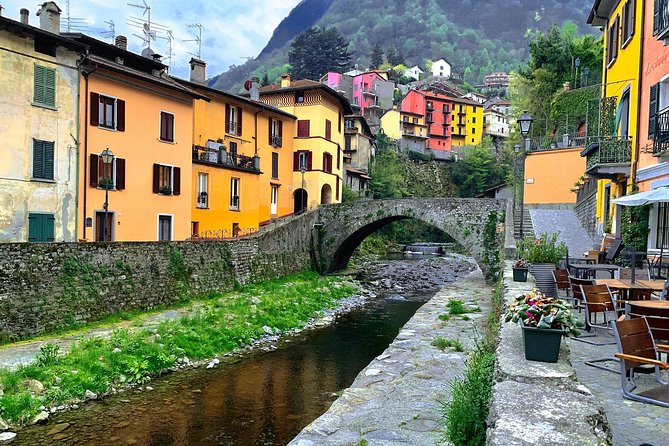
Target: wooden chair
[
  {"x": 613, "y": 251},
  {"x": 561, "y": 279},
  {"x": 576, "y": 294},
  {"x": 636, "y": 347},
  {"x": 598, "y": 299},
  {"x": 656, "y": 317}
]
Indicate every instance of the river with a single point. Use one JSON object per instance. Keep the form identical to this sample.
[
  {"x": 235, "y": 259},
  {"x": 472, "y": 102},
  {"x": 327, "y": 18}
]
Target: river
[{"x": 264, "y": 398}]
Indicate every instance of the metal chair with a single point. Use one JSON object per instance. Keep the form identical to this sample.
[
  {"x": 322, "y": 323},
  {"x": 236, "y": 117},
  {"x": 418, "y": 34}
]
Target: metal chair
[
  {"x": 636, "y": 347},
  {"x": 597, "y": 299},
  {"x": 561, "y": 279},
  {"x": 576, "y": 293}
]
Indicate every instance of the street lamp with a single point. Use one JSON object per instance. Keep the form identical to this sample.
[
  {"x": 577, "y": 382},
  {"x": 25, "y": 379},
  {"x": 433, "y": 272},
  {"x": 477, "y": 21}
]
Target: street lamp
[
  {"x": 107, "y": 160},
  {"x": 525, "y": 123},
  {"x": 302, "y": 198}
]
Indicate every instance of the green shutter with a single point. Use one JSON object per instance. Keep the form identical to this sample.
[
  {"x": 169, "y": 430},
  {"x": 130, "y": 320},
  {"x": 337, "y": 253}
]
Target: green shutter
[
  {"x": 41, "y": 227},
  {"x": 49, "y": 221},
  {"x": 38, "y": 98},
  {"x": 45, "y": 86},
  {"x": 34, "y": 228},
  {"x": 48, "y": 160},
  {"x": 38, "y": 158}
]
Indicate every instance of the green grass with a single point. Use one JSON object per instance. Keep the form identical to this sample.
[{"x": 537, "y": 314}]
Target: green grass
[
  {"x": 443, "y": 344},
  {"x": 456, "y": 307},
  {"x": 444, "y": 317},
  {"x": 223, "y": 323}
]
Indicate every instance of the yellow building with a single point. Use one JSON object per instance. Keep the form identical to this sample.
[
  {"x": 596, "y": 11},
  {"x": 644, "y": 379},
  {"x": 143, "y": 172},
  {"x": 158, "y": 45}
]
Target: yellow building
[
  {"x": 318, "y": 138},
  {"x": 407, "y": 129},
  {"x": 612, "y": 146},
  {"x": 466, "y": 122},
  {"x": 242, "y": 173}
]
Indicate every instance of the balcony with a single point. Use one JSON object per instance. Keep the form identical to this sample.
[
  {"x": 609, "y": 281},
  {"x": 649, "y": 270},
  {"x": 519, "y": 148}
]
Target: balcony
[
  {"x": 370, "y": 92},
  {"x": 608, "y": 156},
  {"x": 661, "y": 136},
  {"x": 412, "y": 133},
  {"x": 429, "y": 107},
  {"x": 350, "y": 130},
  {"x": 662, "y": 28},
  {"x": 566, "y": 141},
  {"x": 221, "y": 158},
  {"x": 231, "y": 127},
  {"x": 277, "y": 141}
]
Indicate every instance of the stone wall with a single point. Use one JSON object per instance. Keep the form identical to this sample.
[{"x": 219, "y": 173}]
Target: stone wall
[
  {"x": 48, "y": 286},
  {"x": 586, "y": 211}
]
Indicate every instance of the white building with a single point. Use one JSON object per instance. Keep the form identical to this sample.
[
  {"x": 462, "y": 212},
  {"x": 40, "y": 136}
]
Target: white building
[
  {"x": 441, "y": 68},
  {"x": 495, "y": 123},
  {"x": 476, "y": 97},
  {"x": 414, "y": 72}
]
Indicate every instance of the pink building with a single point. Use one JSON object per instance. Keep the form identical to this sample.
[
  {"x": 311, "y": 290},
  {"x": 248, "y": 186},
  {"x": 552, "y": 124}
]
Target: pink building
[{"x": 436, "y": 108}]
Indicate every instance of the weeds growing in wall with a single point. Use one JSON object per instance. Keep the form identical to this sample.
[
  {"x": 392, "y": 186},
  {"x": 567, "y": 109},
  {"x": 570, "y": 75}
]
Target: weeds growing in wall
[{"x": 492, "y": 246}]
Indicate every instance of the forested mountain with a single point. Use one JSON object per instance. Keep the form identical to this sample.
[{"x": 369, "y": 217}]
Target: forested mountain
[{"x": 476, "y": 36}]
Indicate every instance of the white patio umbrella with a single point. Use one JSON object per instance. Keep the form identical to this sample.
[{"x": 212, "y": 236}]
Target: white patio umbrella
[{"x": 659, "y": 195}]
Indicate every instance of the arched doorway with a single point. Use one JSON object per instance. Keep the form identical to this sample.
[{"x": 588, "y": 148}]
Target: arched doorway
[
  {"x": 300, "y": 197},
  {"x": 326, "y": 194}
]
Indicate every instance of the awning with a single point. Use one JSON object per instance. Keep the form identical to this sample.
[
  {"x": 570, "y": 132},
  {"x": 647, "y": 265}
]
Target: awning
[{"x": 659, "y": 195}]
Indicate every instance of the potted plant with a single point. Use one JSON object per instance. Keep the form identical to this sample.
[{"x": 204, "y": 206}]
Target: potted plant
[
  {"x": 544, "y": 320},
  {"x": 520, "y": 269},
  {"x": 166, "y": 190},
  {"x": 543, "y": 253}
]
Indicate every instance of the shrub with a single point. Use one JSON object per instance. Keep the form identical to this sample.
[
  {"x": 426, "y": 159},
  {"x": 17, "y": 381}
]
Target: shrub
[{"x": 545, "y": 249}]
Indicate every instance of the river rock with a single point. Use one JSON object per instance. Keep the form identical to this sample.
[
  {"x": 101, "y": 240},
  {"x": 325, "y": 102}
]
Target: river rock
[
  {"x": 267, "y": 330},
  {"x": 90, "y": 395},
  {"x": 3, "y": 425},
  {"x": 58, "y": 428},
  {"x": 7, "y": 437},
  {"x": 41, "y": 417},
  {"x": 34, "y": 386}
]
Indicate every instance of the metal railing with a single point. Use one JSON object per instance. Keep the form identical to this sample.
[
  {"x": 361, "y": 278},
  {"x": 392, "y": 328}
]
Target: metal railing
[
  {"x": 277, "y": 141},
  {"x": 220, "y": 234},
  {"x": 609, "y": 150},
  {"x": 565, "y": 141},
  {"x": 224, "y": 159},
  {"x": 234, "y": 202},
  {"x": 662, "y": 9},
  {"x": 661, "y": 133},
  {"x": 231, "y": 127}
]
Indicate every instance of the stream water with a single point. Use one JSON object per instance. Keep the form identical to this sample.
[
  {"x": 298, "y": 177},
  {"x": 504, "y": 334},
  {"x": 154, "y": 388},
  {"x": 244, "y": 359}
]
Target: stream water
[{"x": 266, "y": 398}]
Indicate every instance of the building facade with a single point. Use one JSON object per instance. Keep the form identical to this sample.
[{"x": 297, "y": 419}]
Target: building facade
[
  {"x": 407, "y": 130},
  {"x": 359, "y": 151},
  {"x": 466, "y": 123},
  {"x": 441, "y": 68},
  {"x": 436, "y": 112}
]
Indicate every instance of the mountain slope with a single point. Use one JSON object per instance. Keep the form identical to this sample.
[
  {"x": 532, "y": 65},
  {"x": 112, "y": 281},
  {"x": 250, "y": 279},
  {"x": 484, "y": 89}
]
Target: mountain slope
[{"x": 476, "y": 36}]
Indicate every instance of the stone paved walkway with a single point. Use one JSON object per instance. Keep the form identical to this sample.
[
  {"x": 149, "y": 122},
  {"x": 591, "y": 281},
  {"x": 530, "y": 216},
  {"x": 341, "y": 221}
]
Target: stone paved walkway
[
  {"x": 633, "y": 423},
  {"x": 397, "y": 398},
  {"x": 567, "y": 224}
]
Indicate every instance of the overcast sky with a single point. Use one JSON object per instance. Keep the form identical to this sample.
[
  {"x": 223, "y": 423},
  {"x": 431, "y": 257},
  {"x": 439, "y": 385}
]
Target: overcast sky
[{"x": 233, "y": 29}]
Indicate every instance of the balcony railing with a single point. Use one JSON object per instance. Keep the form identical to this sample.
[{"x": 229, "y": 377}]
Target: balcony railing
[
  {"x": 429, "y": 107},
  {"x": 608, "y": 155},
  {"x": 223, "y": 234},
  {"x": 566, "y": 141},
  {"x": 224, "y": 159},
  {"x": 661, "y": 135},
  {"x": 662, "y": 10},
  {"x": 231, "y": 127},
  {"x": 234, "y": 203},
  {"x": 277, "y": 141}
]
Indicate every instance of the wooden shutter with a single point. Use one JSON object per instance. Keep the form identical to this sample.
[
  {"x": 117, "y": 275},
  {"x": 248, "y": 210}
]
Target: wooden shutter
[
  {"x": 94, "y": 171},
  {"x": 281, "y": 129},
  {"x": 120, "y": 115},
  {"x": 325, "y": 162},
  {"x": 656, "y": 18},
  {"x": 48, "y": 227},
  {"x": 48, "y": 160},
  {"x": 338, "y": 158},
  {"x": 120, "y": 174},
  {"x": 269, "y": 132},
  {"x": 303, "y": 128},
  {"x": 156, "y": 178},
  {"x": 328, "y": 129},
  {"x": 38, "y": 96},
  {"x": 34, "y": 228},
  {"x": 337, "y": 187},
  {"x": 296, "y": 162},
  {"x": 309, "y": 159},
  {"x": 275, "y": 165},
  {"x": 50, "y": 87},
  {"x": 227, "y": 118},
  {"x": 38, "y": 158},
  {"x": 632, "y": 17},
  {"x": 95, "y": 109},
  {"x": 239, "y": 121},
  {"x": 176, "y": 187},
  {"x": 652, "y": 112}
]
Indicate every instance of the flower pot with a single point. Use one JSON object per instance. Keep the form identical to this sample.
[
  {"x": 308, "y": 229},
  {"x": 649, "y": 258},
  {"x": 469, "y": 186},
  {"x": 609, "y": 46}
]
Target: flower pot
[
  {"x": 543, "y": 276},
  {"x": 520, "y": 274},
  {"x": 542, "y": 344}
]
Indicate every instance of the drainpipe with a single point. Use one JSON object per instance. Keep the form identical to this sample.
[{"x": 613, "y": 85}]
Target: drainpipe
[
  {"x": 80, "y": 63},
  {"x": 86, "y": 74},
  {"x": 256, "y": 129},
  {"x": 637, "y": 148}
]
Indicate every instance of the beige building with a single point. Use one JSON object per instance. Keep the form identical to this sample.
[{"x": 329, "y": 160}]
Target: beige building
[
  {"x": 38, "y": 123},
  {"x": 358, "y": 154}
]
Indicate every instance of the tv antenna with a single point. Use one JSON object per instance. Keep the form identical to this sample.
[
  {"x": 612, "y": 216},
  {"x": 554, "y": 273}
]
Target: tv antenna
[
  {"x": 72, "y": 23},
  {"x": 148, "y": 34},
  {"x": 197, "y": 39},
  {"x": 111, "y": 33},
  {"x": 170, "y": 38}
]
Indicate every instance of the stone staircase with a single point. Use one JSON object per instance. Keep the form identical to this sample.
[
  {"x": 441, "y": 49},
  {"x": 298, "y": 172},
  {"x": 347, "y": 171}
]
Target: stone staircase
[{"x": 528, "y": 229}]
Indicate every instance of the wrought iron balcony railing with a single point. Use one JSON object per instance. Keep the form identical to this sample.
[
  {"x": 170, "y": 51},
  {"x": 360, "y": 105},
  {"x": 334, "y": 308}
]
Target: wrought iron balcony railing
[
  {"x": 603, "y": 150},
  {"x": 661, "y": 134},
  {"x": 662, "y": 17},
  {"x": 224, "y": 159}
]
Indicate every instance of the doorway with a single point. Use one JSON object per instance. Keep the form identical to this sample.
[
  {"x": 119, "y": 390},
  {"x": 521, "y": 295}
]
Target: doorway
[{"x": 104, "y": 230}]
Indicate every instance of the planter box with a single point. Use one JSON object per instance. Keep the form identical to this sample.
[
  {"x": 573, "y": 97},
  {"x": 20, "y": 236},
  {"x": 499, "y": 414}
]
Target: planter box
[
  {"x": 541, "y": 344},
  {"x": 544, "y": 278},
  {"x": 520, "y": 274}
]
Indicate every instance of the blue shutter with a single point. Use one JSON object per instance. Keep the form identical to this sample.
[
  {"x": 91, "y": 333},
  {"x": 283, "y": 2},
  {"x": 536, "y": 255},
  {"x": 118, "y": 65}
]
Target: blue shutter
[
  {"x": 49, "y": 223},
  {"x": 34, "y": 228}
]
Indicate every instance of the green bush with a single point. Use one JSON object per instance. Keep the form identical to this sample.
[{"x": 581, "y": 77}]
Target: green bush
[{"x": 545, "y": 249}]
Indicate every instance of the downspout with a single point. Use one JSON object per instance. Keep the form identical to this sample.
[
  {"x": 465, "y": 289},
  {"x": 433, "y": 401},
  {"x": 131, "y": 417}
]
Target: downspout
[
  {"x": 86, "y": 108},
  {"x": 78, "y": 142},
  {"x": 637, "y": 149},
  {"x": 256, "y": 129}
]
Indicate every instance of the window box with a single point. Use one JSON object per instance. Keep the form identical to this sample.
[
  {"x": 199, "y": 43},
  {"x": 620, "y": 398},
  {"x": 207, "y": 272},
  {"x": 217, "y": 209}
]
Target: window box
[{"x": 166, "y": 190}]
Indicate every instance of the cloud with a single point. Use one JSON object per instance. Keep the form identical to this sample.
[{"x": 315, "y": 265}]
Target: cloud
[{"x": 233, "y": 29}]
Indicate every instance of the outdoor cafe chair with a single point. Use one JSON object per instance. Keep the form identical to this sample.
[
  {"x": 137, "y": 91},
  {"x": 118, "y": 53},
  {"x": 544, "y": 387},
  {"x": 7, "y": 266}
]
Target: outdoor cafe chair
[
  {"x": 656, "y": 316},
  {"x": 598, "y": 299},
  {"x": 561, "y": 279},
  {"x": 637, "y": 348},
  {"x": 576, "y": 293}
]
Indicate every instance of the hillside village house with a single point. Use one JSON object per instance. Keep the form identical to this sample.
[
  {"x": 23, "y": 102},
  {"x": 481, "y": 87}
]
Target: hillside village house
[
  {"x": 38, "y": 97},
  {"x": 359, "y": 150},
  {"x": 441, "y": 68},
  {"x": 406, "y": 129},
  {"x": 436, "y": 108},
  {"x": 466, "y": 123},
  {"x": 414, "y": 72}
]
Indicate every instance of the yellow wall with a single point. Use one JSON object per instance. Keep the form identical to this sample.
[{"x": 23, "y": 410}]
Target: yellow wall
[
  {"x": 137, "y": 208},
  {"x": 390, "y": 123},
  {"x": 548, "y": 184},
  {"x": 285, "y": 179},
  {"x": 471, "y": 132}
]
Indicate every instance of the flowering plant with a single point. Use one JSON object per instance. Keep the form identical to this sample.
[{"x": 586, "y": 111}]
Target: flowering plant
[
  {"x": 545, "y": 249},
  {"x": 534, "y": 309},
  {"x": 521, "y": 263}
]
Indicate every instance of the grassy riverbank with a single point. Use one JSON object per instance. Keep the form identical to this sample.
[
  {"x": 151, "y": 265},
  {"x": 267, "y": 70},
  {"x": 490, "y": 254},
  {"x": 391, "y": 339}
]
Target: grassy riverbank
[{"x": 216, "y": 325}]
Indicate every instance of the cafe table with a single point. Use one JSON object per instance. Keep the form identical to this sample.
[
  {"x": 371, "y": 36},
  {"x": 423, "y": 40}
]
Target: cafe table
[
  {"x": 641, "y": 287},
  {"x": 582, "y": 271}
]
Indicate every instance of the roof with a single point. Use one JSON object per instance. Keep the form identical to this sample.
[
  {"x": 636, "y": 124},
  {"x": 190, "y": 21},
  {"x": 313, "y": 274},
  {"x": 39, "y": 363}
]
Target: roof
[
  {"x": 601, "y": 11},
  {"x": 444, "y": 59},
  {"x": 466, "y": 101},
  {"x": 363, "y": 120},
  {"x": 307, "y": 84},
  {"x": 23, "y": 30},
  {"x": 251, "y": 102},
  {"x": 356, "y": 172}
]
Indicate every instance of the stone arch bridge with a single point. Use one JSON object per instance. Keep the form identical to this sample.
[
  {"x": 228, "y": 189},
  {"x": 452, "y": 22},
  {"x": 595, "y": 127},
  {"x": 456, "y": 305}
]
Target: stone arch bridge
[{"x": 477, "y": 224}]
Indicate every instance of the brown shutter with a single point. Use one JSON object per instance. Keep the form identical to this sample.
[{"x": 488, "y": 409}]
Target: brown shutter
[
  {"x": 94, "y": 171},
  {"x": 325, "y": 162},
  {"x": 156, "y": 178},
  {"x": 337, "y": 187},
  {"x": 227, "y": 118},
  {"x": 120, "y": 174},
  {"x": 239, "y": 121},
  {"x": 269, "y": 131},
  {"x": 281, "y": 129},
  {"x": 176, "y": 189},
  {"x": 296, "y": 161},
  {"x": 120, "y": 115},
  {"x": 95, "y": 109},
  {"x": 303, "y": 128},
  {"x": 328, "y": 129},
  {"x": 309, "y": 159},
  {"x": 338, "y": 158}
]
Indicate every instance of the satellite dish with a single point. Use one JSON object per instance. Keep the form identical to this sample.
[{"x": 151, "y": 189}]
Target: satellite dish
[
  {"x": 247, "y": 85},
  {"x": 148, "y": 53}
]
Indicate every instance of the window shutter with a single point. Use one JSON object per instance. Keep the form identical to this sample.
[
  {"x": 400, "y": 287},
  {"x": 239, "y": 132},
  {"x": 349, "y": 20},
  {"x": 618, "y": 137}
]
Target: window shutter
[
  {"x": 338, "y": 158},
  {"x": 281, "y": 129},
  {"x": 303, "y": 129},
  {"x": 337, "y": 187},
  {"x": 38, "y": 158},
  {"x": 656, "y": 18},
  {"x": 120, "y": 174},
  {"x": 239, "y": 121},
  {"x": 156, "y": 178},
  {"x": 328, "y": 129},
  {"x": 652, "y": 112},
  {"x": 275, "y": 165},
  {"x": 50, "y": 87},
  {"x": 176, "y": 187},
  {"x": 269, "y": 132},
  {"x": 120, "y": 115},
  {"x": 95, "y": 109},
  {"x": 309, "y": 159},
  {"x": 48, "y": 228},
  {"x": 227, "y": 117},
  {"x": 34, "y": 228},
  {"x": 325, "y": 162},
  {"x": 296, "y": 161},
  {"x": 48, "y": 160},
  {"x": 38, "y": 96},
  {"x": 632, "y": 17},
  {"x": 94, "y": 171}
]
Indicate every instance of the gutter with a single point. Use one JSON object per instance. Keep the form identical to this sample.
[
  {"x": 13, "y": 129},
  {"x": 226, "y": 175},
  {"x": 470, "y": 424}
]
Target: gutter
[{"x": 256, "y": 130}]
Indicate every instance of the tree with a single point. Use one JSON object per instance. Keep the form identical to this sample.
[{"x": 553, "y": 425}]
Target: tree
[
  {"x": 387, "y": 180},
  {"x": 265, "y": 80},
  {"x": 376, "y": 57},
  {"x": 478, "y": 170},
  {"x": 391, "y": 55},
  {"x": 317, "y": 51}
]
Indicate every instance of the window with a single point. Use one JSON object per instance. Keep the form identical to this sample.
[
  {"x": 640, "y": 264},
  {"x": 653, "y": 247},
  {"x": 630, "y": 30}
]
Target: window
[
  {"x": 299, "y": 97},
  {"x": 275, "y": 165},
  {"x": 234, "y": 194},
  {"x": 327, "y": 162},
  {"x": 328, "y": 129},
  {"x": 612, "y": 41},
  {"x": 45, "y": 47},
  {"x": 102, "y": 175},
  {"x": 166, "y": 180},
  {"x": 43, "y": 165},
  {"x": 275, "y": 132},
  {"x": 473, "y": 119},
  {"x": 202, "y": 192},
  {"x": 303, "y": 130},
  {"x": 301, "y": 160},
  {"x": 473, "y": 130},
  {"x": 661, "y": 18},
  {"x": 233, "y": 120},
  {"x": 273, "y": 200},
  {"x": 164, "y": 228},
  {"x": 45, "y": 86},
  {"x": 662, "y": 226},
  {"x": 166, "y": 126},
  {"x": 107, "y": 112},
  {"x": 415, "y": 120},
  {"x": 446, "y": 109},
  {"x": 629, "y": 17},
  {"x": 40, "y": 227}
]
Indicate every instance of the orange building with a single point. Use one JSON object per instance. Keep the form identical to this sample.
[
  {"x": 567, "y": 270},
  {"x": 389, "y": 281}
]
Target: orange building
[
  {"x": 242, "y": 163},
  {"x": 544, "y": 184},
  {"x": 130, "y": 106}
]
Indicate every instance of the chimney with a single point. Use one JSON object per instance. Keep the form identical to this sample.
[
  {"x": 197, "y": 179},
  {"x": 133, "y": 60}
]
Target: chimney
[
  {"x": 285, "y": 81},
  {"x": 255, "y": 92},
  {"x": 122, "y": 42},
  {"x": 24, "y": 16},
  {"x": 198, "y": 71},
  {"x": 49, "y": 17}
]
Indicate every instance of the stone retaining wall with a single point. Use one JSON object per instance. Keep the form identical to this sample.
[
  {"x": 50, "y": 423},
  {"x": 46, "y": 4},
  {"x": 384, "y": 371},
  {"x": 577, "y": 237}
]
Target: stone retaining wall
[
  {"x": 537, "y": 403},
  {"x": 586, "y": 211}
]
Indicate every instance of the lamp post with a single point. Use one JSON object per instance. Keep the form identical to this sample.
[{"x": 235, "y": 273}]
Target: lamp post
[
  {"x": 107, "y": 160},
  {"x": 302, "y": 170},
  {"x": 525, "y": 123}
]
